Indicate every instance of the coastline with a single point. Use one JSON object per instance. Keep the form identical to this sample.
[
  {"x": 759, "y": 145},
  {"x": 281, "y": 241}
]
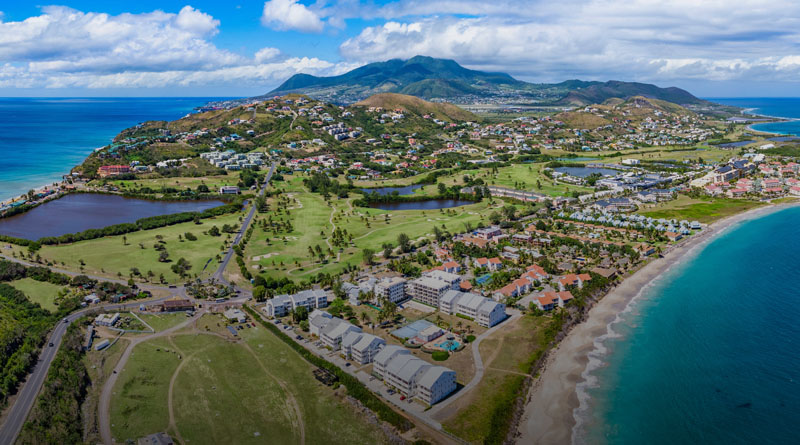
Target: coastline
[{"x": 556, "y": 397}]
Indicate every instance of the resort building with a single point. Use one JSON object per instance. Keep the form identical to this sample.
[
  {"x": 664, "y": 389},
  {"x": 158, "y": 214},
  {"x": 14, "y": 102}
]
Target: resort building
[
  {"x": 484, "y": 311},
  {"x": 392, "y": 289},
  {"x": 283, "y": 304},
  {"x": 334, "y": 331},
  {"x": 436, "y": 384},
  {"x": 430, "y": 287},
  {"x": 361, "y": 347},
  {"x": 386, "y": 355},
  {"x": 317, "y": 320},
  {"x": 404, "y": 372},
  {"x": 235, "y": 314},
  {"x": 112, "y": 170}
]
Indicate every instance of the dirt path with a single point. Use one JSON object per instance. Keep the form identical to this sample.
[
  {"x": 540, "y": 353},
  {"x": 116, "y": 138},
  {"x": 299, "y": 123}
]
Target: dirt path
[
  {"x": 289, "y": 396},
  {"x": 104, "y": 407},
  {"x": 173, "y": 426}
]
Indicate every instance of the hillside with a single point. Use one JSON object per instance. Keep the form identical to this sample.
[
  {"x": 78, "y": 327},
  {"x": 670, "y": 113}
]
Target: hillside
[
  {"x": 420, "y": 107},
  {"x": 599, "y": 93},
  {"x": 431, "y": 78}
]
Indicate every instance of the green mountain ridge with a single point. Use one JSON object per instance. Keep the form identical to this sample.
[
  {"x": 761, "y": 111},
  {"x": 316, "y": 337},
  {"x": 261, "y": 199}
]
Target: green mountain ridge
[{"x": 442, "y": 79}]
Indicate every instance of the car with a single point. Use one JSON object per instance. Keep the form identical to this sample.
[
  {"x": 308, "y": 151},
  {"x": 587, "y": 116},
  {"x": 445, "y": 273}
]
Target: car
[
  {"x": 115, "y": 371},
  {"x": 402, "y": 397},
  {"x": 299, "y": 337},
  {"x": 51, "y": 344},
  {"x": 65, "y": 320},
  {"x": 347, "y": 364}
]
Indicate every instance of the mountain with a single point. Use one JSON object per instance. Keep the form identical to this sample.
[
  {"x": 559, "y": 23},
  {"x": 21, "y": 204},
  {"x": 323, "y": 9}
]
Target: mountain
[
  {"x": 443, "y": 79},
  {"x": 420, "y": 107}
]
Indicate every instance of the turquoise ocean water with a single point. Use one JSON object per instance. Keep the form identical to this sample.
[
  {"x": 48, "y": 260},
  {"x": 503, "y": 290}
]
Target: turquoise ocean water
[
  {"x": 788, "y": 107},
  {"x": 42, "y": 139},
  {"x": 711, "y": 352}
]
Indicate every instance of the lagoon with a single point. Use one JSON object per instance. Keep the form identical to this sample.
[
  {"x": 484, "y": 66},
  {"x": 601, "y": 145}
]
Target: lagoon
[
  {"x": 383, "y": 191},
  {"x": 582, "y": 172},
  {"x": 82, "y": 211},
  {"x": 430, "y": 204}
]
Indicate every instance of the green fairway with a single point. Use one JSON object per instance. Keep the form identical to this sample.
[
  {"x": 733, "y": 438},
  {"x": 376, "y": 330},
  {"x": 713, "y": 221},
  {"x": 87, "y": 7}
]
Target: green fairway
[
  {"x": 704, "y": 209},
  {"x": 252, "y": 390},
  {"x": 109, "y": 255},
  {"x": 312, "y": 219},
  {"x": 139, "y": 404},
  {"x": 40, "y": 292}
]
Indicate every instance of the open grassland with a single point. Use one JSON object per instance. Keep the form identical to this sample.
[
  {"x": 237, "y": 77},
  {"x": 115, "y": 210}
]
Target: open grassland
[
  {"x": 139, "y": 405},
  {"x": 508, "y": 357},
  {"x": 703, "y": 209},
  {"x": 313, "y": 220},
  {"x": 99, "y": 365},
  {"x": 212, "y": 182},
  {"x": 40, "y": 292},
  {"x": 162, "y": 321},
  {"x": 519, "y": 176},
  {"x": 110, "y": 255},
  {"x": 253, "y": 389}
]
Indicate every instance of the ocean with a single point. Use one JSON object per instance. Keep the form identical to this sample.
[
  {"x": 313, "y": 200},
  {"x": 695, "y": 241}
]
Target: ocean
[
  {"x": 710, "y": 353},
  {"x": 787, "y": 107},
  {"x": 42, "y": 139}
]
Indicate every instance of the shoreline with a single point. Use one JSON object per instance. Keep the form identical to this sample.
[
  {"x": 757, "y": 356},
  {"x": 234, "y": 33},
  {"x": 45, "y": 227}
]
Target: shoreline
[{"x": 557, "y": 396}]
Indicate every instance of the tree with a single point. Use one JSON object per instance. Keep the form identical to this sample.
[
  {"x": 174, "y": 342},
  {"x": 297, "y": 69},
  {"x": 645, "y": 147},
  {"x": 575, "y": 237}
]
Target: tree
[
  {"x": 124, "y": 240},
  {"x": 181, "y": 267},
  {"x": 387, "y": 250},
  {"x": 259, "y": 293},
  {"x": 510, "y": 212},
  {"x": 163, "y": 257},
  {"x": 369, "y": 256},
  {"x": 404, "y": 242},
  {"x": 495, "y": 218},
  {"x": 213, "y": 231},
  {"x": 300, "y": 314}
]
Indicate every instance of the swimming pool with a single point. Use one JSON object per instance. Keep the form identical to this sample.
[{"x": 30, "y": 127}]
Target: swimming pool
[{"x": 448, "y": 345}]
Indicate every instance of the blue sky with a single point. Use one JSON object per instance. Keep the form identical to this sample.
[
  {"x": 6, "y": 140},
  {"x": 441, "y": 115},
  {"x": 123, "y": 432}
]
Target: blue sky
[{"x": 240, "y": 48}]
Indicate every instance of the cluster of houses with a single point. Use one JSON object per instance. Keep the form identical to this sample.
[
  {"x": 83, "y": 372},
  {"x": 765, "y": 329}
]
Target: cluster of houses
[
  {"x": 604, "y": 220},
  {"x": 230, "y": 160},
  {"x": 443, "y": 291},
  {"x": 385, "y": 289},
  {"x": 395, "y": 365},
  {"x": 282, "y": 305}
]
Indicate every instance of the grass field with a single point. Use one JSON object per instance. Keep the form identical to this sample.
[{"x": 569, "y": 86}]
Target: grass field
[
  {"x": 160, "y": 322},
  {"x": 251, "y": 390},
  {"x": 40, "y": 292},
  {"x": 318, "y": 216},
  {"x": 213, "y": 182},
  {"x": 108, "y": 256},
  {"x": 139, "y": 404},
  {"x": 508, "y": 358},
  {"x": 704, "y": 209}
]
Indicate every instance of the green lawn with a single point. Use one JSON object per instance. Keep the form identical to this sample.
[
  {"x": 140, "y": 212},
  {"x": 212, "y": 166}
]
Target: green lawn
[
  {"x": 40, "y": 292},
  {"x": 108, "y": 256},
  {"x": 160, "y": 322},
  {"x": 254, "y": 390},
  {"x": 139, "y": 404},
  {"x": 212, "y": 182},
  {"x": 369, "y": 228},
  {"x": 704, "y": 209}
]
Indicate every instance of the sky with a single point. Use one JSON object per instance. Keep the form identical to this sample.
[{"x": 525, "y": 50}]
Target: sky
[{"x": 236, "y": 48}]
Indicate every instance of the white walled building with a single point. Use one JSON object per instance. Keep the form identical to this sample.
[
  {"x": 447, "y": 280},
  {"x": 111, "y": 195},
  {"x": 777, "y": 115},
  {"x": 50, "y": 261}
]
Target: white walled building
[
  {"x": 436, "y": 384},
  {"x": 334, "y": 331},
  {"x": 430, "y": 287},
  {"x": 393, "y": 289},
  {"x": 283, "y": 304},
  {"x": 484, "y": 311}
]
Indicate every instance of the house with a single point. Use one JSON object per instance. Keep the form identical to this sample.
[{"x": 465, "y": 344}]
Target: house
[
  {"x": 451, "y": 267},
  {"x": 229, "y": 190},
  {"x": 361, "y": 347},
  {"x": 488, "y": 233},
  {"x": 569, "y": 280},
  {"x": 334, "y": 331},
  {"x": 177, "y": 305},
  {"x": 106, "y": 319},
  {"x": 563, "y": 298},
  {"x": 113, "y": 170},
  {"x": 673, "y": 236},
  {"x": 546, "y": 302},
  {"x": 235, "y": 314}
]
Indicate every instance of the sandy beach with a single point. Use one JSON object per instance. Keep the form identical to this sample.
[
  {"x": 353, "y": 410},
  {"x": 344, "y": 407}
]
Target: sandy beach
[{"x": 550, "y": 411}]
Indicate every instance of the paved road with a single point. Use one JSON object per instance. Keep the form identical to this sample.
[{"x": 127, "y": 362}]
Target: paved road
[
  {"x": 18, "y": 412},
  {"x": 219, "y": 275}
]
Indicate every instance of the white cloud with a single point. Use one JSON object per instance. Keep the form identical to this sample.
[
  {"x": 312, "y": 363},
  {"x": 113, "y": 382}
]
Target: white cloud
[
  {"x": 66, "y": 48},
  {"x": 290, "y": 15},
  {"x": 601, "y": 39},
  {"x": 266, "y": 54}
]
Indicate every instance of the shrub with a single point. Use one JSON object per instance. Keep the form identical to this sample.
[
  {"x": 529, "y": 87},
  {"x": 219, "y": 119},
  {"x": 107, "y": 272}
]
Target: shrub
[{"x": 440, "y": 356}]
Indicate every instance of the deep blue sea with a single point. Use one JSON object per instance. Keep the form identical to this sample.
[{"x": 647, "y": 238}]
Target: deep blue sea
[
  {"x": 42, "y": 139},
  {"x": 788, "y": 107},
  {"x": 711, "y": 352}
]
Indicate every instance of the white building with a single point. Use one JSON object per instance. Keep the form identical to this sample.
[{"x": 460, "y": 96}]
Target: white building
[
  {"x": 404, "y": 372},
  {"x": 229, "y": 190},
  {"x": 386, "y": 355},
  {"x": 334, "y": 331},
  {"x": 393, "y": 289},
  {"x": 484, "y": 311},
  {"x": 317, "y": 320},
  {"x": 106, "y": 319},
  {"x": 361, "y": 347},
  {"x": 430, "y": 287},
  {"x": 283, "y": 304},
  {"x": 436, "y": 384},
  {"x": 235, "y": 314}
]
